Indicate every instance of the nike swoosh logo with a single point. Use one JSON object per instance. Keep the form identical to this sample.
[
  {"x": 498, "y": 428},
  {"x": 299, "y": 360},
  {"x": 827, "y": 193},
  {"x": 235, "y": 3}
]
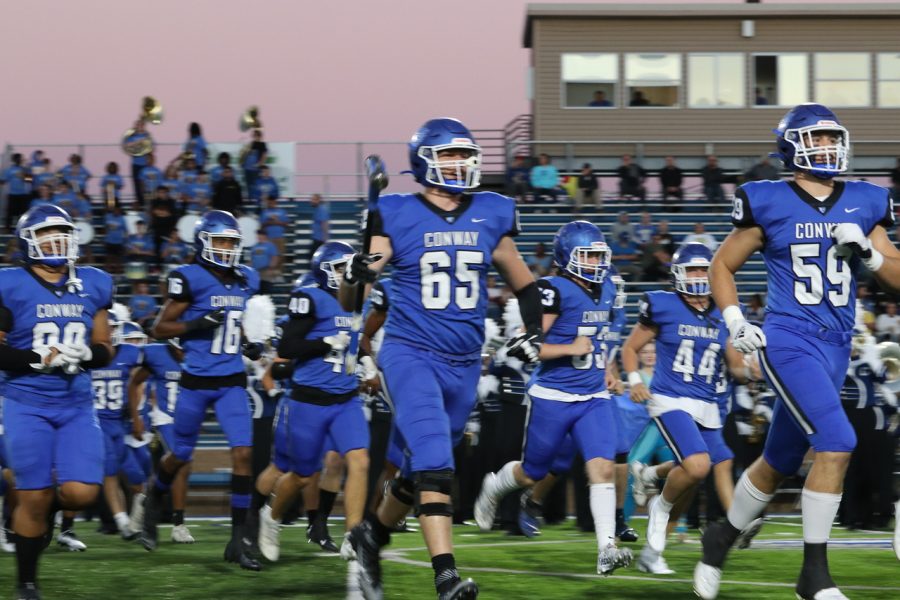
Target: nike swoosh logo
[
  {"x": 850, "y": 210},
  {"x": 478, "y": 220}
]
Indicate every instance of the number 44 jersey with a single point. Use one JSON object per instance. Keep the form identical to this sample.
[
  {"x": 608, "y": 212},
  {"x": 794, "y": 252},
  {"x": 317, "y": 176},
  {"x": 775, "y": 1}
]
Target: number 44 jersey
[
  {"x": 440, "y": 263},
  {"x": 808, "y": 279}
]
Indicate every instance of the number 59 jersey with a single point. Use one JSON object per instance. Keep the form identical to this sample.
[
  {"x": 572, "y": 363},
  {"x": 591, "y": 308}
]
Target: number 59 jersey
[
  {"x": 37, "y": 314},
  {"x": 580, "y": 312},
  {"x": 807, "y": 277},
  {"x": 216, "y": 352},
  {"x": 440, "y": 263}
]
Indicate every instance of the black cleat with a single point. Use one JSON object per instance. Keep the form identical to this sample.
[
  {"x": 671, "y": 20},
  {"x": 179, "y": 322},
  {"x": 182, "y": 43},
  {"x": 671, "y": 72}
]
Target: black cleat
[
  {"x": 149, "y": 537},
  {"x": 368, "y": 559},
  {"x": 235, "y": 553},
  {"x": 28, "y": 591},
  {"x": 461, "y": 590},
  {"x": 317, "y": 533},
  {"x": 717, "y": 540},
  {"x": 627, "y": 534}
]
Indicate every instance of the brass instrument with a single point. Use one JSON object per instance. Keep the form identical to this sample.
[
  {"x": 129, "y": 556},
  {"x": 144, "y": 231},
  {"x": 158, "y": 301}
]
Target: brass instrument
[
  {"x": 250, "y": 119},
  {"x": 890, "y": 356},
  {"x": 152, "y": 112}
]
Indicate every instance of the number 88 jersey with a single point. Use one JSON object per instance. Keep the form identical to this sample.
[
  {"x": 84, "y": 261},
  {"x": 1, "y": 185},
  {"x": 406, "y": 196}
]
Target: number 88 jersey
[{"x": 216, "y": 352}]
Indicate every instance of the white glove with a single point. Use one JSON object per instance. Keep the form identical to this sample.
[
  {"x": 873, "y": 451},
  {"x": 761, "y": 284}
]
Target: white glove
[
  {"x": 369, "y": 370},
  {"x": 851, "y": 240},
  {"x": 75, "y": 353},
  {"x": 59, "y": 361},
  {"x": 338, "y": 342},
  {"x": 871, "y": 355},
  {"x": 745, "y": 337}
]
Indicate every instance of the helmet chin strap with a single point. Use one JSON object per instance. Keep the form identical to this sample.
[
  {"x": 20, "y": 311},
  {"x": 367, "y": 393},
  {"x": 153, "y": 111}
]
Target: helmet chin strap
[{"x": 74, "y": 284}]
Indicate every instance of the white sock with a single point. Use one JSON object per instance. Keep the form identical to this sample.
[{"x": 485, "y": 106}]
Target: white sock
[
  {"x": 121, "y": 520},
  {"x": 603, "y": 509},
  {"x": 748, "y": 503},
  {"x": 819, "y": 510},
  {"x": 137, "y": 501},
  {"x": 663, "y": 504},
  {"x": 649, "y": 474},
  {"x": 505, "y": 481}
]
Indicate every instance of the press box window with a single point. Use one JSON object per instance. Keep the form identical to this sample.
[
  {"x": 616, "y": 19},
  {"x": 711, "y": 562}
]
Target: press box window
[
  {"x": 780, "y": 79},
  {"x": 652, "y": 79},
  {"x": 716, "y": 81},
  {"x": 589, "y": 80},
  {"x": 843, "y": 79},
  {"x": 889, "y": 80}
]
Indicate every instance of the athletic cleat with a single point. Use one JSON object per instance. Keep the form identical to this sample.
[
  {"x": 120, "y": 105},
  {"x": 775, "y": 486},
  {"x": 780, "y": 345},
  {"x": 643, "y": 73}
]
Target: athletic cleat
[
  {"x": 716, "y": 542},
  {"x": 6, "y": 540},
  {"x": 136, "y": 520},
  {"x": 638, "y": 486},
  {"x": 611, "y": 558},
  {"x": 182, "y": 535},
  {"x": 269, "y": 534},
  {"x": 129, "y": 534},
  {"x": 368, "y": 560},
  {"x": 657, "y": 522},
  {"x": 234, "y": 553},
  {"x": 706, "y": 581},
  {"x": 149, "y": 537},
  {"x": 317, "y": 533},
  {"x": 627, "y": 534},
  {"x": 347, "y": 551},
  {"x": 28, "y": 591},
  {"x": 486, "y": 504},
  {"x": 653, "y": 563},
  {"x": 529, "y": 518},
  {"x": 68, "y": 540},
  {"x": 745, "y": 537},
  {"x": 817, "y": 584},
  {"x": 826, "y": 594},
  {"x": 461, "y": 590}
]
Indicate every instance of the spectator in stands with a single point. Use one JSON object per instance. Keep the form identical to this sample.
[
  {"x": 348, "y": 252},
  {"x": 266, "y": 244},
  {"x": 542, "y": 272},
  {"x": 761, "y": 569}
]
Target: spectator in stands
[
  {"x": 540, "y": 262},
  {"x": 713, "y": 177},
  {"x": 864, "y": 297},
  {"x": 700, "y": 235},
  {"x": 887, "y": 325},
  {"x": 644, "y": 231},
  {"x": 495, "y": 298},
  {"x": 43, "y": 175},
  {"x": 274, "y": 220},
  {"x": 320, "y": 218},
  {"x": 200, "y": 194},
  {"x": 756, "y": 308},
  {"x": 187, "y": 174},
  {"x": 138, "y": 162},
  {"x": 44, "y": 196},
  {"x": 264, "y": 258},
  {"x": 175, "y": 251},
  {"x": 599, "y": 100},
  {"x": 895, "y": 181},
  {"x": 654, "y": 260},
  {"x": 227, "y": 192},
  {"x": 151, "y": 177},
  {"x": 544, "y": 179},
  {"x": 37, "y": 161},
  {"x": 254, "y": 159},
  {"x": 588, "y": 188},
  {"x": 666, "y": 238},
  {"x": 196, "y": 146},
  {"x": 13, "y": 254},
  {"x": 139, "y": 246},
  {"x": 142, "y": 305},
  {"x": 624, "y": 226},
  {"x": 638, "y": 99},
  {"x": 17, "y": 180},
  {"x": 75, "y": 174},
  {"x": 764, "y": 170},
  {"x": 163, "y": 219},
  {"x": 223, "y": 160},
  {"x": 671, "y": 178},
  {"x": 517, "y": 179},
  {"x": 65, "y": 198},
  {"x": 760, "y": 99},
  {"x": 111, "y": 185},
  {"x": 114, "y": 239},
  {"x": 631, "y": 179},
  {"x": 626, "y": 253},
  {"x": 266, "y": 187}
]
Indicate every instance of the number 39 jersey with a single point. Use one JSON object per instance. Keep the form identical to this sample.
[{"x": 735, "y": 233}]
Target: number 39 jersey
[
  {"x": 216, "y": 352},
  {"x": 110, "y": 383},
  {"x": 807, "y": 278},
  {"x": 580, "y": 312},
  {"x": 440, "y": 263},
  {"x": 37, "y": 314},
  {"x": 327, "y": 373}
]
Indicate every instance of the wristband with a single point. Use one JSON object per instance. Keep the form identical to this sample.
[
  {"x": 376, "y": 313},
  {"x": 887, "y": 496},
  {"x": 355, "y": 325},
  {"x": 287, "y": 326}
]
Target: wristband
[
  {"x": 634, "y": 378},
  {"x": 874, "y": 262},
  {"x": 732, "y": 315}
]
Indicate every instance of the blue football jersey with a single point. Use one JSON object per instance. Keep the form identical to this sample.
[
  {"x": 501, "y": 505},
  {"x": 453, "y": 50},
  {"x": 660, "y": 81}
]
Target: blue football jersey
[
  {"x": 807, "y": 279},
  {"x": 614, "y": 334},
  {"x": 34, "y": 313},
  {"x": 216, "y": 352},
  {"x": 580, "y": 312},
  {"x": 166, "y": 373},
  {"x": 440, "y": 263},
  {"x": 327, "y": 373},
  {"x": 110, "y": 383},
  {"x": 378, "y": 299},
  {"x": 690, "y": 347}
]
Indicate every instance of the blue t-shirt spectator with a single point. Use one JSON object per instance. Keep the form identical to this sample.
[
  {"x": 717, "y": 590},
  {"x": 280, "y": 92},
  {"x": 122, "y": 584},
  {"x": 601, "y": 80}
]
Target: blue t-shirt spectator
[
  {"x": 544, "y": 177},
  {"x": 215, "y": 174},
  {"x": 274, "y": 215},
  {"x": 261, "y": 255},
  {"x": 320, "y": 222},
  {"x": 197, "y": 146},
  {"x": 151, "y": 178},
  {"x": 116, "y": 229},
  {"x": 142, "y": 307},
  {"x": 175, "y": 253},
  {"x": 46, "y": 178},
  {"x": 14, "y": 178},
  {"x": 68, "y": 202},
  {"x": 264, "y": 186},
  {"x": 39, "y": 202},
  {"x": 644, "y": 233},
  {"x": 139, "y": 243},
  {"x": 138, "y": 161},
  {"x": 115, "y": 180},
  {"x": 78, "y": 180},
  {"x": 622, "y": 247}
]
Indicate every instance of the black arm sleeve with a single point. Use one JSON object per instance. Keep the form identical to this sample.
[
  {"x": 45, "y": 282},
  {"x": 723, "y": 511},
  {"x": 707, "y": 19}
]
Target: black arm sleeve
[
  {"x": 741, "y": 215},
  {"x": 100, "y": 357},
  {"x": 550, "y": 301},
  {"x": 888, "y": 220},
  {"x": 530, "y": 308},
  {"x": 645, "y": 312},
  {"x": 282, "y": 370},
  {"x": 15, "y": 359},
  {"x": 294, "y": 343},
  {"x": 377, "y": 223}
]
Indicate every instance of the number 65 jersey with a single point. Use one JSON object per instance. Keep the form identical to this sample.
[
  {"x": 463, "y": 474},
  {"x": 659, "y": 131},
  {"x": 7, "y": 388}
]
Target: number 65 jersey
[
  {"x": 808, "y": 279},
  {"x": 37, "y": 314},
  {"x": 440, "y": 263}
]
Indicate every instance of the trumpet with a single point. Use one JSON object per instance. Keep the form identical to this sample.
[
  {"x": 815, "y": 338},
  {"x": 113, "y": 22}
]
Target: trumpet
[
  {"x": 151, "y": 111},
  {"x": 890, "y": 356}
]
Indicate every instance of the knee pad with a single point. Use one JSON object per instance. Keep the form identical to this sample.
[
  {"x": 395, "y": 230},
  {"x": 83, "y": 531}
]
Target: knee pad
[
  {"x": 403, "y": 490},
  {"x": 434, "y": 481},
  {"x": 435, "y": 509}
]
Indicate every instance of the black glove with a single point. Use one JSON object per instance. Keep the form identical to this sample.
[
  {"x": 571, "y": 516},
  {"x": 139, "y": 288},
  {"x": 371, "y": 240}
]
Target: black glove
[
  {"x": 210, "y": 320},
  {"x": 253, "y": 350},
  {"x": 358, "y": 269},
  {"x": 525, "y": 346}
]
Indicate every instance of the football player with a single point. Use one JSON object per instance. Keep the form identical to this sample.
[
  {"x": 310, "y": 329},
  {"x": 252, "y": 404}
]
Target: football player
[
  {"x": 53, "y": 320},
  {"x": 813, "y": 232},
  {"x": 441, "y": 243}
]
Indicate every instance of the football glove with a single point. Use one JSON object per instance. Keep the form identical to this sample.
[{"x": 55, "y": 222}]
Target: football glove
[
  {"x": 210, "y": 320},
  {"x": 525, "y": 346},
  {"x": 338, "y": 342},
  {"x": 358, "y": 269},
  {"x": 851, "y": 240}
]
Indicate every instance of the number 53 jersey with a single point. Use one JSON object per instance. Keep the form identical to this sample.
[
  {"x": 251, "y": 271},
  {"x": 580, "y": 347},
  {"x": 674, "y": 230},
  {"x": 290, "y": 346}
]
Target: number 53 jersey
[
  {"x": 808, "y": 278},
  {"x": 36, "y": 314},
  {"x": 440, "y": 263}
]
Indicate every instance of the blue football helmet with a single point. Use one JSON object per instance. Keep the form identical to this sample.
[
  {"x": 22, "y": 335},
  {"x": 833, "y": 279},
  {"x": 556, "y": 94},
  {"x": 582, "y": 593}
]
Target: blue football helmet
[
  {"x": 580, "y": 248},
  {"x": 213, "y": 226},
  {"x": 59, "y": 248},
  {"x": 129, "y": 332},
  {"x": 795, "y": 145},
  {"x": 690, "y": 255},
  {"x": 326, "y": 261},
  {"x": 617, "y": 280},
  {"x": 305, "y": 280},
  {"x": 436, "y": 136}
]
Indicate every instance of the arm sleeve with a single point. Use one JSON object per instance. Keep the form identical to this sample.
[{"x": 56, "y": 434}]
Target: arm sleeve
[
  {"x": 514, "y": 228},
  {"x": 377, "y": 223},
  {"x": 6, "y": 318},
  {"x": 531, "y": 309},
  {"x": 16, "y": 359},
  {"x": 294, "y": 343},
  {"x": 550, "y": 300},
  {"x": 645, "y": 312},
  {"x": 888, "y": 220},
  {"x": 179, "y": 288},
  {"x": 741, "y": 215}
]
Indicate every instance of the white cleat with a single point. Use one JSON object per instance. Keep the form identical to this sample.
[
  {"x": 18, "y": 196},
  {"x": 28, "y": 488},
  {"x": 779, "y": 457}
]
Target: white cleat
[
  {"x": 706, "y": 581},
  {"x": 486, "y": 504},
  {"x": 68, "y": 540},
  {"x": 657, "y": 522},
  {"x": 269, "y": 534},
  {"x": 745, "y": 537},
  {"x": 638, "y": 486},
  {"x": 136, "y": 520},
  {"x": 611, "y": 558},
  {"x": 182, "y": 535},
  {"x": 831, "y": 593},
  {"x": 347, "y": 551},
  {"x": 653, "y": 563}
]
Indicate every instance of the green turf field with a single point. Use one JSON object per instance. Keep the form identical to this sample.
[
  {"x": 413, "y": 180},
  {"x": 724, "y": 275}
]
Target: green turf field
[{"x": 559, "y": 564}]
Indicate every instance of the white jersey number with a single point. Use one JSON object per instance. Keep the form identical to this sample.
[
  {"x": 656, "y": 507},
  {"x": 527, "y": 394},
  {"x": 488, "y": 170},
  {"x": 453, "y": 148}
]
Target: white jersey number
[
  {"x": 227, "y": 339},
  {"x": 592, "y": 359},
  {"x": 439, "y": 287},
  {"x": 809, "y": 288}
]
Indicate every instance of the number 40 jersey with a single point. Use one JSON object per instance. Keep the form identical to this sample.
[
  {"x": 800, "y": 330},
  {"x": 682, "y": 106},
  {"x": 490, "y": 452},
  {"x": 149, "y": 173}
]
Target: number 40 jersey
[{"x": 808, "y": 279}]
